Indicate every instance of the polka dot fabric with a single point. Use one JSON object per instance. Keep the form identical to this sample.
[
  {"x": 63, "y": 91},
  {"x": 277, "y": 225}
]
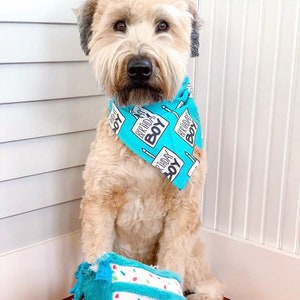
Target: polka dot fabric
[{"x": 143, "y": 277}]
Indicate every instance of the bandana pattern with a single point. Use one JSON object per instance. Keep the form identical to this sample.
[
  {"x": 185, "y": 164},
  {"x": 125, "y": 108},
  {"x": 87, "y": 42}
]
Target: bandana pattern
[{"x": 166, "y": 134}]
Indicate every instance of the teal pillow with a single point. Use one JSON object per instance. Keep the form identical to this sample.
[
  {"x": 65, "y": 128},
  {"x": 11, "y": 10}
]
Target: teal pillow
[{"x": 115, "y": 277}]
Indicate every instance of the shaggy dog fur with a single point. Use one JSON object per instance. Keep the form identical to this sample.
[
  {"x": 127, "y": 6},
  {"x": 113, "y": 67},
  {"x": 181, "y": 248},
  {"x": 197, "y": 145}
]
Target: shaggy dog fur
[{"x": 129, "y": 206}]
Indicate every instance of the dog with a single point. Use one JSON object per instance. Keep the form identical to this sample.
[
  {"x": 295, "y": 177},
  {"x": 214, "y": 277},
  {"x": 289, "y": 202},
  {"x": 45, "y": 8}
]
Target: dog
[{"x": 139, "y": 51}]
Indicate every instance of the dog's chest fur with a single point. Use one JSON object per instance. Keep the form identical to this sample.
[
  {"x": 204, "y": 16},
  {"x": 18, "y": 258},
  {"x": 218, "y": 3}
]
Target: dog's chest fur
[
  {"x": 138, "y": 193},
  {"x": 139, "y": 225}
]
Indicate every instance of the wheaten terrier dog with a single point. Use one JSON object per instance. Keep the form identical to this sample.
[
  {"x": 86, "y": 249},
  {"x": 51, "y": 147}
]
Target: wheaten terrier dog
[{"x": 146, "y": 168}]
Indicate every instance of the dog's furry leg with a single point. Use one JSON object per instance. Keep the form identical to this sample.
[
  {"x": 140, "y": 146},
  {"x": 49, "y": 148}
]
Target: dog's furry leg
[
  {"x": 181, "y": 226},
  {"x": 98, "y": 228},
  {"x": 198, "y": 278}
]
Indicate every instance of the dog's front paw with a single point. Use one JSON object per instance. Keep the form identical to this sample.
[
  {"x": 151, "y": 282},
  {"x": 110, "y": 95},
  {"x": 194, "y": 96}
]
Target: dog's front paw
[
  {"x": 201, "y": 297},
  {"x": 207, "y": 290}
]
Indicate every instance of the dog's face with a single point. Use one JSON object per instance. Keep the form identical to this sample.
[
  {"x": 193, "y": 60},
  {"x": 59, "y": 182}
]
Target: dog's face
[{"x": 139, "y": 48}]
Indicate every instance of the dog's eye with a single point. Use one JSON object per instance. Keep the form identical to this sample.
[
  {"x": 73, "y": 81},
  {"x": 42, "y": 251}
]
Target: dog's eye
[
  {"x": 162, "y": 26},
  {"x": 120, "y": 26}
]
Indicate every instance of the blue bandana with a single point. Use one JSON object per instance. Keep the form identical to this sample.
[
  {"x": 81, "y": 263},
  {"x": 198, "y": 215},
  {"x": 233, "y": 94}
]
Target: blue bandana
[{"x": 165, "y": 134}]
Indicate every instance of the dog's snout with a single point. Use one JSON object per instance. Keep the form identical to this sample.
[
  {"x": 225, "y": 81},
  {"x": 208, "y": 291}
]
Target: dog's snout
[{"x": 139, "y": 69}]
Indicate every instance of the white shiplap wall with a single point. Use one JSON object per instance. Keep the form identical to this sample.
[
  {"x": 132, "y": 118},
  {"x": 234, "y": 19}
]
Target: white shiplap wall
[
  {"x": 248, "y": 74},
  {"x": 49, "y": 107},
  {"x": 248, "y": 84}
]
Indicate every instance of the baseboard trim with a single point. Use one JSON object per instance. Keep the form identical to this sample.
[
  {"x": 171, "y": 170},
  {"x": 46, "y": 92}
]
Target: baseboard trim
[
  {"x": 250, "y": 271},
  {"x": 41, "y": 271}
]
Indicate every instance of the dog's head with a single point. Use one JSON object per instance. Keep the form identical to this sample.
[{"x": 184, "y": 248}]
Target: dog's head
[{"x": 139, "y": 48}]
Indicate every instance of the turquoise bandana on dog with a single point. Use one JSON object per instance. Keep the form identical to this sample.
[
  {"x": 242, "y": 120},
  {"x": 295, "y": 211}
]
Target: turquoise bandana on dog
[{"x": 165, "y": 134}]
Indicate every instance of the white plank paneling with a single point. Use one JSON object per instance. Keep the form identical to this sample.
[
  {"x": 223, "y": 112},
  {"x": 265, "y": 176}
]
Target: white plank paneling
[
  {"x": 37, "y": 119},
  {"x": 35, "y": 226},
  {"x": 219, "y": 127},
  {"x": 239, "y": 9},
  {"x": 204, "y": 63},
  {"x": 245, "y": 130},
  {"x": 215, "y": 94},
  {"x": 250, "y": 81},
  {"x": 40, "y": 177},
  {"x": 229, "y": 122},
  {"x": 291, "y": 212},
  {"x": 264, "y": 120},
  {"x": 41, "y": 271},
  {"x": 278, "y": 131},
  {"x": 203, "y": 78},
  {"x": 36, "y": 156},
  {"x": 30, "y": 82},
  {"x": 39, "y": 43},
  {"x": 39, "y": 191},
  {"x": 55, "y": 11},
  {"x": 249, "y": 73},
  {"x": 272, "y": 173}
]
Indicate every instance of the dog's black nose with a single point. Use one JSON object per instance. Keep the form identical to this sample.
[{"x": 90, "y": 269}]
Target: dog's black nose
[{"x": 139, "y": 69}]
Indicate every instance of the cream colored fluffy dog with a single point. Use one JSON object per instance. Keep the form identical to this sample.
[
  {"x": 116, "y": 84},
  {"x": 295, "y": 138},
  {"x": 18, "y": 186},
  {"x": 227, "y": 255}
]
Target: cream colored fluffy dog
[{"x": 139, "y": 51}]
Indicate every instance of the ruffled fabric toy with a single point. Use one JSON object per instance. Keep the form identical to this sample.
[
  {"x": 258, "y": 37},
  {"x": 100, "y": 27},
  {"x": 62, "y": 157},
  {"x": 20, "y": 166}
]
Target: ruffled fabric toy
[{"x": 115, "y": 277}]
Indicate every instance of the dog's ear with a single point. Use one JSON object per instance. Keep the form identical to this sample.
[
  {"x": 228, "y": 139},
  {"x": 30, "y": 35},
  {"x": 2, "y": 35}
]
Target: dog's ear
[
  {"x": 196, "y": 25},
  {"x": 85, "y": 15}
]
